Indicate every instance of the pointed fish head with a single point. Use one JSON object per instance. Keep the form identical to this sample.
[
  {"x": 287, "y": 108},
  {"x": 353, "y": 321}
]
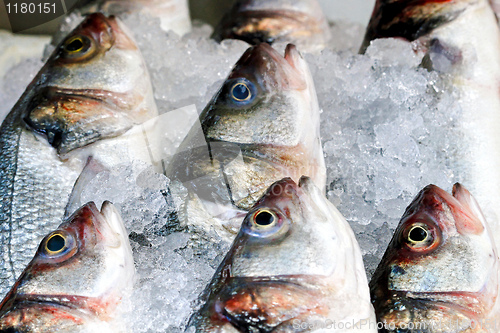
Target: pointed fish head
[
  {"x": 292, "y": 258},
  {"x": 262, "y": 21},
  {"x": 289, "y": 231},
  {"x": 95, "y": 85},
  {"x": 265, "y": 100},
  {"x": 441, "y": 249},
  {"x": 411, "y": 19},
  {"x": 85, "y": 264}
]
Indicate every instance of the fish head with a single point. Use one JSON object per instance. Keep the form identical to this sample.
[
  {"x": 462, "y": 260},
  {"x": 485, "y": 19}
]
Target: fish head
[
  {"x": 292, "y": 259},
  {"x": 262, "y": 21},
  {"x": 291, "y": 231},
  {"x": 265, "y": 100},
  {"x": 412, "y": 19},
  {"x": 442, "y": 248},
  {"x": 95, "y": 85},
  {"x": 86, "y": 263}
]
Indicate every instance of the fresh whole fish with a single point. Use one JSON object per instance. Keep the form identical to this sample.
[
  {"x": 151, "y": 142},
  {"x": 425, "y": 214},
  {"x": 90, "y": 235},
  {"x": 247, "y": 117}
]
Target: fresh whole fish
[
  {"x": 94, "y": 86},
  {"x": 262, "y": 125},
  {"x": 461, "y": 39},
  {"x": 295, "y": 266},
  {"x": 173, "y": 14},
  {"x": 440, "y": 271},
  {"x": 77, "y": 279},
  {"x": 301, "y": 22}
]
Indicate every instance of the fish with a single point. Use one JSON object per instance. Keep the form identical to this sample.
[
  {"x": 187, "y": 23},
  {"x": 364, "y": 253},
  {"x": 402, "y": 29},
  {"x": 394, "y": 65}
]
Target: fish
[
  {"x": 495, "y": 4},
  {"x": 78, "y": 278},
  {"x": 460, "y": 40},
  {"x": 440, "y": 270},
  {"x": 301, "y": 22},
  {"x": 295, "y": 266},
  {"x": 262, "y": 125},
  {"x": 173, "y": 14},
  {"x": 93, "y": 88}
]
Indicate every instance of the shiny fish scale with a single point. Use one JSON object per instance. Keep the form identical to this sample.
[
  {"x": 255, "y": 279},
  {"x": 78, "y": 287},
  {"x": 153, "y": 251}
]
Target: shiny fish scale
[{"x": 35, "y": 204}]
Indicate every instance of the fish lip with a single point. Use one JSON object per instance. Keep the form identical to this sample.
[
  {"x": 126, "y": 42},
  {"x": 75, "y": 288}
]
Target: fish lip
[
  {"x": 113, "y": 220},
  {"x": 55, "y": 300},
  {"x": 293, "y": 56}
]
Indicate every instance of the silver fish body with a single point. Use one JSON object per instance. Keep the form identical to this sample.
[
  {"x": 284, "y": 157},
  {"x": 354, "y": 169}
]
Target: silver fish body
[
  {"x": 77, "y": 280},
  {"x": 295, "y": 266},
  {"x": 261, "y": 126},
  {"x": 301, "y": 22},
  {"x": 440, "y": 271},
  {"x": 173, "y": 14},
  {"x": 461, "y": 40},
  {"x": 94, "y": 86}
]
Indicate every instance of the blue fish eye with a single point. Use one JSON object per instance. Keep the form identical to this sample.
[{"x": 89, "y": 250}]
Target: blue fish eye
[{"x": 240, "y": 92}]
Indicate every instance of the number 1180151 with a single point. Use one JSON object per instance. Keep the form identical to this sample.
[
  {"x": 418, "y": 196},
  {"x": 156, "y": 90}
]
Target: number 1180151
[{"x": 31, "y": 8}]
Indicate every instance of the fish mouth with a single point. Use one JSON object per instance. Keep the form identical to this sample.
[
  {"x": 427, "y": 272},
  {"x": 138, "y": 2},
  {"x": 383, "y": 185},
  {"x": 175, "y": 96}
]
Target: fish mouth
[
  {"x": 447, "y": 304},
  {"x": 245, "y": 302},
  {"x": 265, "y": 26},
  {"x": 411, "y": 19},
  {"x": 72, "y": 119}
]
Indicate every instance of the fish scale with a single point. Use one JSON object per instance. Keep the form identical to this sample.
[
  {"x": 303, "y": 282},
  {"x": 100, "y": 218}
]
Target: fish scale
[
  {"x": 32, "y": 202},
  {"x": 72, "y": 105}
]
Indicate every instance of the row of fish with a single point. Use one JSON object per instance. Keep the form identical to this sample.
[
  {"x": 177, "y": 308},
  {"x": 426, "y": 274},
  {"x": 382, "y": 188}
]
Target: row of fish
[{"x": 294, "y": 264}]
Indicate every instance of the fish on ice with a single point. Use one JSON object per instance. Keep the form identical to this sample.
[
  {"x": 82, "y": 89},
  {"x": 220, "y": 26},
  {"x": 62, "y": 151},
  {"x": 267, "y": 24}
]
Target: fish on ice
[
  {"x": 301, "y": 22},
  {"x": 78, "y": 279},
  {"x": 261, "y": 126},
  {"x": 440, "y": 271},
  {"x": 94, "y": 86},
  {"x": 295, "y": 266}
]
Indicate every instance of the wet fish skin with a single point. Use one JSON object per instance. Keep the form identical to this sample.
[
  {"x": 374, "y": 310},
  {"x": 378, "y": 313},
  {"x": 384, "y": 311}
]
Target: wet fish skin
[
  {"x": 173, "y": 14},
  {"x": 411, "y": 19},
  {"x": 77, "y": 284},
  {"x": 251, "y": 143},
  {"x": 35, "y": 182},
  {"x": 294, "y": 263},
  {"x": 448, "y": 278},
  {"x": 301, "y": 22}
]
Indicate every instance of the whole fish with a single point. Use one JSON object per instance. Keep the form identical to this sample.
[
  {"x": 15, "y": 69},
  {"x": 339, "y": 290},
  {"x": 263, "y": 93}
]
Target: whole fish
[
  {"x": 94, "y": 86},
  {"x": 461, "y": 39},
  {"x": 301, "y": 22},
  {"x": 262, "y": 125},
  {"x": 173, "y": 14},
  {"x": 295, "y": 266},
  {"x": 440, "y": 271},
  {"x": 77, "y": 279}
]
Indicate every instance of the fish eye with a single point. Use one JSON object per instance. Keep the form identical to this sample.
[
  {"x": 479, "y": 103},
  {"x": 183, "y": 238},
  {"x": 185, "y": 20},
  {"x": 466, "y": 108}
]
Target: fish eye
[
  {"x": 240, "y": 92},
  {"x": 417, "y": 234},
  {"x": 420, "y": 236},
  {"x": 59, "y": 243},
  {"x": 78, "y": 47},
  {"x": 265, "y": 223},
  {"x": 265, "y": 218},
  {"x": 56, "y": 243}
]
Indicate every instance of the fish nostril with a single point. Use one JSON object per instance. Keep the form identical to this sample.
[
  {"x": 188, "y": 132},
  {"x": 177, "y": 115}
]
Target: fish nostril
[{"x": 54, "y": 135}]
